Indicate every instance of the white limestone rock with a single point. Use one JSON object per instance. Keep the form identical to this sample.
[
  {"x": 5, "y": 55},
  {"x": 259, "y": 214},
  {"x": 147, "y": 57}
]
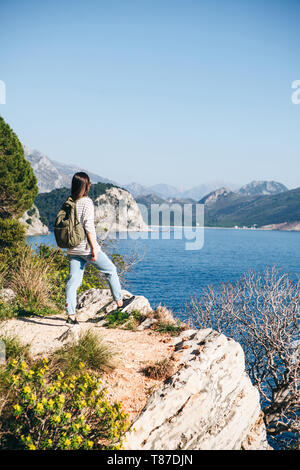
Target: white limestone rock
[
  {"x": 7, "y": 295},
  {"x": 33, "y": 223},
  {"x": 100, "y": 302},
  {"x": 208, "y": 404},
  {"x": 117, "y": 211}
]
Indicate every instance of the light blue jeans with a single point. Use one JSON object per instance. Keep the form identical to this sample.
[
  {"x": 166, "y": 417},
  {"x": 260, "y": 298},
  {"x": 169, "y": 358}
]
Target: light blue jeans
[{"x": 77, "y": 265}]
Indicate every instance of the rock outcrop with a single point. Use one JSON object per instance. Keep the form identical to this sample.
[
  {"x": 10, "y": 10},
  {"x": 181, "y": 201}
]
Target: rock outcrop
[
  {"x": 116, "y": 210},
  {"x": 100, "y": 301},
  {"x": 33, "y": 223},
  {"x": 209, "y": 403}
]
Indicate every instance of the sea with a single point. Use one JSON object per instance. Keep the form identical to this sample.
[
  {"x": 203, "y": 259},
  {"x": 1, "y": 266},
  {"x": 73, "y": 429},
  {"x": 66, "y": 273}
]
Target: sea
[{"x": 168, "y": 273}]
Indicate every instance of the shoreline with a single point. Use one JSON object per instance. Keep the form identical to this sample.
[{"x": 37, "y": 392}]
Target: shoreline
[{"x": 168, "y": 227}]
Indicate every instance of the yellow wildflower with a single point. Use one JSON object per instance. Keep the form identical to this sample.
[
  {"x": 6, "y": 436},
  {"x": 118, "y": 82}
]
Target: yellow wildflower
[
  {"x": 50, "y": 403},
  {"x": 61, "y": 398},
  {"x": 27, "y": 389},
  {"x": 67, "y": 442},
  {"x": 39, "y": 407}
]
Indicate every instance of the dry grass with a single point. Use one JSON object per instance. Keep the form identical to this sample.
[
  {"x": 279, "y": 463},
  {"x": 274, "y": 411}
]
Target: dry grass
[
  {"x": 3, "y": 273},
  {"x": 30, "y": 279},
  {"x": 89, "y": 350},
  {"x": 161, "y": 369},
  {"x": 164, "y": 316}
]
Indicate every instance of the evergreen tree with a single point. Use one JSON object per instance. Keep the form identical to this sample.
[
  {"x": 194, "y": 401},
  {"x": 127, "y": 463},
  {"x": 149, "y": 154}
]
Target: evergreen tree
[{"x": 18, "y": 183}]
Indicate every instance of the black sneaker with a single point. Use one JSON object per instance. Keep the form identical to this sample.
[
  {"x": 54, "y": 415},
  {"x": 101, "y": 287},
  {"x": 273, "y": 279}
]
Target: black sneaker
[
  {"x": 70, "y": 321},
  {"x": 126, "y": 302}
]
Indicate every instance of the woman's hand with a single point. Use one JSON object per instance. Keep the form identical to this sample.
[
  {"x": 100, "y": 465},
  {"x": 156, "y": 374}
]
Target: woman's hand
[{"x": 94, "y": 254}]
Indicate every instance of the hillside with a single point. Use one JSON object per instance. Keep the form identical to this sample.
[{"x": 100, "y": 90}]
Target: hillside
[
  {"x": 49, "y": 203},
  {"x": 233, "y": 209}
]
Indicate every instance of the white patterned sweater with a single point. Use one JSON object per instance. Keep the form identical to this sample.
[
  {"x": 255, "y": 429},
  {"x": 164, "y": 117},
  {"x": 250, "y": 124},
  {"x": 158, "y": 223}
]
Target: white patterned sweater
[{"x": 85, "y": 213}]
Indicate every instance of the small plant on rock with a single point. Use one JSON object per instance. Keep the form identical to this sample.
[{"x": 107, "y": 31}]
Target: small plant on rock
[
  {"x": 88, "y": 349},
  {"x": 161, "y": 369}
]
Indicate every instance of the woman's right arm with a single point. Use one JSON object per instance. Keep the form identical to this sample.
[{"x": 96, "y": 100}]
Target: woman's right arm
[{"x": 93, "y": 245}]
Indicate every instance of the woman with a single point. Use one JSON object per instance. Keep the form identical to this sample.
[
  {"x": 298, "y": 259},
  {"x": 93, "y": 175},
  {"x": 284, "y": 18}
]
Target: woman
[{"x": 88, "y": 251}]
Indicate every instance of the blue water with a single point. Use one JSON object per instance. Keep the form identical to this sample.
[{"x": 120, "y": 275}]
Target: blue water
[{"x": 169, "y": 274}]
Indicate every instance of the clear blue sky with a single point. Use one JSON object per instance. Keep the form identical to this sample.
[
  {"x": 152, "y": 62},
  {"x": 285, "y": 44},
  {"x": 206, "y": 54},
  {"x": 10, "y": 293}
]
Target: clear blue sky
[{"x": 175, "y": 91}]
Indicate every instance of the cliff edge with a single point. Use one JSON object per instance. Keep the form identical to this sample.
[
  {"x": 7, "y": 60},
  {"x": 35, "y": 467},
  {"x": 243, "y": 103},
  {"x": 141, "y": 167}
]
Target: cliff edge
[{"x": 207, "y": 402}]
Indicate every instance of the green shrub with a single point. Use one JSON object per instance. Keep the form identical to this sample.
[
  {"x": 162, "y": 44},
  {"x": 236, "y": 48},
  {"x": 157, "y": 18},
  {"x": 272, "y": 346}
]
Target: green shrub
[
  {"x": 116, "y": 319},
  {"x": 12, "y": 233},
  {"x": 88, "y": 349},
  {"x": 31, "y": 211},
  {"x": 119, "y": 318},
  {"x": 18, "y": 183},
  {"x": 58, "y": 413},
  {"x": 6, "y": 311},
  {"x": 170, "y": 328},
  {"x": 14, "y": 349}
]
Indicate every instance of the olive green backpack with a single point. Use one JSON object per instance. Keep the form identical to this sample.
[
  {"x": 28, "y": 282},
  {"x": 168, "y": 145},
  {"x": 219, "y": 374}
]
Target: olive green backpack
[{"x": 68, "y": 230}]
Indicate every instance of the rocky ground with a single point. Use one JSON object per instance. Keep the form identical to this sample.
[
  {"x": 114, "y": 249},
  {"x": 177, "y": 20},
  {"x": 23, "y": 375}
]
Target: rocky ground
[
  {"x": 208, "y": 402},
  {"x": 134, "y": 349}
]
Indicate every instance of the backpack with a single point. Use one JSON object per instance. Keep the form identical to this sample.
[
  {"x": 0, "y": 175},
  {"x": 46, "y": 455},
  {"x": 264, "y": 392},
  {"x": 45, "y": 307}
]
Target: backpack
[{"x": 68, "y": 231}]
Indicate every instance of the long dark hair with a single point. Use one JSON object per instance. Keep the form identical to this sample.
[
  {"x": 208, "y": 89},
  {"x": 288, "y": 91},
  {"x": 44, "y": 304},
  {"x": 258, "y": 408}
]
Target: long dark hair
[{"x": 80, "y": 185}]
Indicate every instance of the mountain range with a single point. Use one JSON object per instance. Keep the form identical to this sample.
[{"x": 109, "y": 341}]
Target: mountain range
[
  {"x": 166, "y": 191},
  {"x": 224, "y": 208},
  {"x": 259, "y": 203},
  {"x": 53, "y": 175}
]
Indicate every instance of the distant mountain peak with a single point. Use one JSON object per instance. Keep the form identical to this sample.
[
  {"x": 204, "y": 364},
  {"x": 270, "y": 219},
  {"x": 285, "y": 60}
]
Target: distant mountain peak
[
  {"x": 262, "y": 188},
  {"x": 215, "y": 195},
  {"x": 52, "y": 174}
]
